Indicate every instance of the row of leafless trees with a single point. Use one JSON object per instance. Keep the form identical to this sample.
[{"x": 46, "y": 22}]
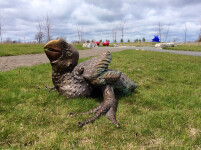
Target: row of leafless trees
[
  {"x": 185, "y": 29},
  {"x": 119, "y": 27},
  {"x": 160, "y": 28},
  {"x": 79, "y": 30},
  {"x": 44, "y": 29}
]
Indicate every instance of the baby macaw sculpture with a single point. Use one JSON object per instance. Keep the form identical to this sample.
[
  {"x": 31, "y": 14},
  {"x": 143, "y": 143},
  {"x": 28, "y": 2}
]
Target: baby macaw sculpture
[{"x": 73, "y": 80}]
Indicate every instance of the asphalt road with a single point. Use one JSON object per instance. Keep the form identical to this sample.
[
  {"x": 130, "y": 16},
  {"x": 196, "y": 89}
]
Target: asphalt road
[
  {"x": 11, "y": 62},
  {"x": 169, "y": 51}
]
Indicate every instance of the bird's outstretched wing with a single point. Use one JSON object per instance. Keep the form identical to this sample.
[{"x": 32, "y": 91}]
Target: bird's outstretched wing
[{"x": 95, "y": 70}]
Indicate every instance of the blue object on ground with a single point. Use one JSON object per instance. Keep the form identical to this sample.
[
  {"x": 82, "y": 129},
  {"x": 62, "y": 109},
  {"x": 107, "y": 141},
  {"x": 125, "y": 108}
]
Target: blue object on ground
[{"x": 156, "y": 39}]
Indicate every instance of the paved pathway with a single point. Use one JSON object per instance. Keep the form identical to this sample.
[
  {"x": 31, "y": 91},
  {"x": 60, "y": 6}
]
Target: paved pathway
[
  {"x": 11, "y": 62},
  {"x": 169, "y": 51}
]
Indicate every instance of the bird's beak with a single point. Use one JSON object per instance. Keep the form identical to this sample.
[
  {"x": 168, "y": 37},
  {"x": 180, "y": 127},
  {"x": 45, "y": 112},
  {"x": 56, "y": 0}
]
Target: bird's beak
[
  {"x": 54, "y": 45},
  {"x": 53, "y": 50}
]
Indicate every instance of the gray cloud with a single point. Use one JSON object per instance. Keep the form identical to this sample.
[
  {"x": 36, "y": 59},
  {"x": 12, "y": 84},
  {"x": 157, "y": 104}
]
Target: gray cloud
[{"x": 98, "y": 18}]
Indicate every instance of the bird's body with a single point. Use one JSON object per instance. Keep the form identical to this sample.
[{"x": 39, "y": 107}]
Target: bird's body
[
  {"x": 70, "y": 86},
  {"x": 74, "y": 80}
]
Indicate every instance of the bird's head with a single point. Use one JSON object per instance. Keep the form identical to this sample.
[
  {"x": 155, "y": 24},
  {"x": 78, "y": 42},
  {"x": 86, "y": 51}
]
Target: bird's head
[{"x": 62, "y": 55}]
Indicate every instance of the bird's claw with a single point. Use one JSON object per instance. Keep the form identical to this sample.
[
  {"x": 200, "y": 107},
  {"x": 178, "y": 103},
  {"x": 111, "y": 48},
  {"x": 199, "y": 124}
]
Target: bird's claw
[
  {"x": 118, "y": 125},
  {"x": 80, "y": 124},
  {"x": 71, "y": 114}
]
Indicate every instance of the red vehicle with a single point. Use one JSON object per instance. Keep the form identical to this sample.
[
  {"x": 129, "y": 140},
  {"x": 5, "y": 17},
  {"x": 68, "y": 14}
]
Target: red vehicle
[
  {"x": 97, "y": 43},
  {"x": 105, "y": 43}
]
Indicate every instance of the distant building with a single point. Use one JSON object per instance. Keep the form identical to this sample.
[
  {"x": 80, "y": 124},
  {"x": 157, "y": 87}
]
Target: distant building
[{"x": 156, "y": 39}]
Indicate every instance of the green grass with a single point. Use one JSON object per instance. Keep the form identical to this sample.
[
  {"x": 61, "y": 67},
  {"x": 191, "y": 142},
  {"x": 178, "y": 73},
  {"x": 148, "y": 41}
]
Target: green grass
[
  {"x": 110, "y": 45},
  {"x": 163, "y": 113},
  {"x": 21, "y": 49},
  {"x": 138, "y": 44},
  {"x": 79, "y": 46},
  {"x": 186, "y": 47}
]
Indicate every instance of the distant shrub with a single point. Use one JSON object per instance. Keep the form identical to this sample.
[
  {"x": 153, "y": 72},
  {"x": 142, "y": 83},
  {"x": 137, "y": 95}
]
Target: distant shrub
[{"x": 136, "y": 40}]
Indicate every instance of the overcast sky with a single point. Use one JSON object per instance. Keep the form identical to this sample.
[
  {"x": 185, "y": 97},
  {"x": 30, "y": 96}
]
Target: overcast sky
[{"x": 97, "y": 18}]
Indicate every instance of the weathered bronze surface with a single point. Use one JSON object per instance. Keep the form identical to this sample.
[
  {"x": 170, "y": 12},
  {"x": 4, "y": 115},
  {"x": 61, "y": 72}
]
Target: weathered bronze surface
[{"x": 73, "y": 80}]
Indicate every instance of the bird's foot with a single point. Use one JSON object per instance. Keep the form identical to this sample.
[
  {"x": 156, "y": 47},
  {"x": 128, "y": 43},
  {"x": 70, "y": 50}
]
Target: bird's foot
[
  {"x": 80, "y": 124},
  {"x": 111, "y": 115},
  {"x": 118, "y": 125},
  {"x": 108, "y": 107},
  {"x": 71, "y": 114}
]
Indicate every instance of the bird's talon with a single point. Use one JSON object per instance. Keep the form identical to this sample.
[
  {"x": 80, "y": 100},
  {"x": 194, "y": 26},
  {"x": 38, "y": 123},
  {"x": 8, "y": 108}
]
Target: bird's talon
[
  {"x": 80, "y": 124},
  {"x": 118, "y": 125},
  {"x": 71, "y": 114}
]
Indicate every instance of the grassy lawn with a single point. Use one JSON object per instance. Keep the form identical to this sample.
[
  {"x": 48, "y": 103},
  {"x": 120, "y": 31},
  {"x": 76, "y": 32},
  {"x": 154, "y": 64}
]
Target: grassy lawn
[
  {"x": 79, "y": 46},
  {"x": 20, "y": 49},
  {"x": 110, "y": 45},
  {"x": 163, "y": 113},
  {"x": 139, "y": 44},
  {"x": 186, "y": 47}
]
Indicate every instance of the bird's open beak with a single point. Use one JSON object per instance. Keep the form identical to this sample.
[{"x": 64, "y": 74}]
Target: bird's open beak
[{"x": 53, "y": 50}]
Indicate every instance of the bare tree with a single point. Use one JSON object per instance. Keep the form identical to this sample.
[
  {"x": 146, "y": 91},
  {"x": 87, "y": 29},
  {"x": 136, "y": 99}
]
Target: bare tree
[
  {"x": 24, "y": 39},
  {"x": 159, "y": 30},
  {"x": 199, "y": 35},
  {"x": 81, "y": 37},
  {"x": 167, "y": 32},
  {"x": 122, "y": 23},
  {"x": 200, "y": 30},
  {"x": 79, "y": 32},
  {"x": 8, "y": 40},
  {"x": 40, "y": 34},
  {"x": 185, "y": 31},
  {"x": 175, "y": 40},
  {"x": 114, "y": 34},
  {"x": 1, "y": 31},
  {"x": 48, "y": 27}
]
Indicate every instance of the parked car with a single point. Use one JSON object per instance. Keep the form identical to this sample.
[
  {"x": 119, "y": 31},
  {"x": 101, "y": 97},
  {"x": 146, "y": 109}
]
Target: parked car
[
  {"x": 105, "y": 43},
  {"x": 97, "y": 43}
]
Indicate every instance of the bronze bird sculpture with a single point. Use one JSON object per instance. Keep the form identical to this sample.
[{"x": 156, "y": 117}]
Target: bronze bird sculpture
[{"x": 73, "y": 80}]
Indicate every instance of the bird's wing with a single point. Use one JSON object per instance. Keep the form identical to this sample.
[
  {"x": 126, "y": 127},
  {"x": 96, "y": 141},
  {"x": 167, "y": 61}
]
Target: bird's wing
[
  {"x": 108, "y": 77},
  {"x": 96, "y": 70}
]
